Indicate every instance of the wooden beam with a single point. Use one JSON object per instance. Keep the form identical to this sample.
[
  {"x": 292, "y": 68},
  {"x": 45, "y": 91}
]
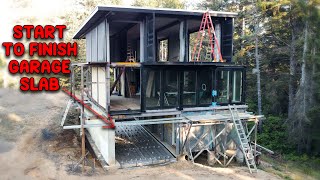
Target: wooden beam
[{"x": 117, "y": 80}]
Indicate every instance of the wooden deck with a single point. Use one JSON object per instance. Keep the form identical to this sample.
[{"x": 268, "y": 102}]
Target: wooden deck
[{"x": 120, "y": 103}]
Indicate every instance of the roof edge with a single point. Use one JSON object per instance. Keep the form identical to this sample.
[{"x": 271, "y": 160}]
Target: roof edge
[{"x": 79, "y": 34}]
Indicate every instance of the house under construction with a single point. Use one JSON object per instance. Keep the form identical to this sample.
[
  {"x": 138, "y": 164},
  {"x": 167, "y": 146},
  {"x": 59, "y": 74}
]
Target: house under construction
[{"x": 158, "y": 84}]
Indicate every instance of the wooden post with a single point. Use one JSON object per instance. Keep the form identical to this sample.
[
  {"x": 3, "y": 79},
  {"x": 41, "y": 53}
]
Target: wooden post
[
  {"x": 73, "y": 82},
  {"x": 107, "y": 68},
  {"x": 108, "y": 91},
  {"x": 90, "y": 80},
  {"x": 71, "y": 78},
  {"x": 83, "y": 143}
]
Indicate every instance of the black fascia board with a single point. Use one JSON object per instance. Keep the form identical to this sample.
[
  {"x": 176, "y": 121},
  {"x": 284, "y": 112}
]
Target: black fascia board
[{"x": 100, "y": 13}]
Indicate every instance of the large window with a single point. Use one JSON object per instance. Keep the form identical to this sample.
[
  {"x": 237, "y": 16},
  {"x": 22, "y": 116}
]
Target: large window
[
  {"x": 229, "y": 86},
  {"x": 205, "y": 86},
  {"x": 170, "y": 93},
  {"x": 223, "y": 86},
  {"x": 153, "y": 89},
  {"x": 237, "y": 86},
  {"x": 189, "y": 88},
  {"x": 205, "y": 51},
  {"x": 163, "y": 50},
  {"x": 179, "y": 87}
]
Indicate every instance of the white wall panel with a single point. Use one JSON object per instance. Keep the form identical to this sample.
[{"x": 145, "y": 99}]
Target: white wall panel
[
  {"x": 88, "y": 47},
  {"x": 94, "y": 45},
  {"x": 101, "y": 42},
  {"x": 94, "y": 84},
  {"x": 102, "y": 87}
]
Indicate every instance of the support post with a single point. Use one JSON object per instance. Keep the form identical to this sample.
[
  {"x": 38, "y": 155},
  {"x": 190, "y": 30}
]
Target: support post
[
  {"x": 108, "y": 93},
  {"x": 73, "y": 83},
  {"x": 97, "y": 69},
  {"x": 225, "y": 143},
  {"x": 218, "y": 35},
  {"x": 142, "y": 41},
  {"x": 90, "y": 70},
  {"x": 255, "y": 137},
  {"x": 83, "y": 143},
  {"x": 178, "y": 139},
  {"x": 211, "y": 158},
  {"x": 71, "y": 79},
  {"x": 182, "y": 37}
]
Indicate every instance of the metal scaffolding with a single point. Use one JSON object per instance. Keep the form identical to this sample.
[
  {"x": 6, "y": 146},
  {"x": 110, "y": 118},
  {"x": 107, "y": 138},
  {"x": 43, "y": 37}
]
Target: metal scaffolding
[{"x": 194, "y": 130}]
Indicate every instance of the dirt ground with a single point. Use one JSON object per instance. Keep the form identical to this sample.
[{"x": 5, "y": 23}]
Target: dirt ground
[{"x": 34, "y": 146}]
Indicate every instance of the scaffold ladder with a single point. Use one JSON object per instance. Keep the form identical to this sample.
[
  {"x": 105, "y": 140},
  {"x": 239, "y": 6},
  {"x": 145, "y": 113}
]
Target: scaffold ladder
[
  {"x": 130, "y": 55},
  {"x": 206, "y": 24},
  {"x": 245, "y": 145}
]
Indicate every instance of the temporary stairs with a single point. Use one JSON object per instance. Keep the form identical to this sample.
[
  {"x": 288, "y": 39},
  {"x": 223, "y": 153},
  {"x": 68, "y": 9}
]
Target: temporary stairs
[{"x": 245, "y": 145}]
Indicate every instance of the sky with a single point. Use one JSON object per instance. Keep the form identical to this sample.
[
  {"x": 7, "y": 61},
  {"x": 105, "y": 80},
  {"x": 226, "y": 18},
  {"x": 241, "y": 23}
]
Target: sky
[
  {"x": 10, "y": 12},
  {"x": 42, "y": 9}
]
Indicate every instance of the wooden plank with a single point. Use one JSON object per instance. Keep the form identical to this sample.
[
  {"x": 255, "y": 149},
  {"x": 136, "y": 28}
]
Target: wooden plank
[
  {"x": 150, "y": 84},
  {"x": 125, "y": 64},
  {"x": 66, "y": 112},
  {"x": 84, "y": 126}
]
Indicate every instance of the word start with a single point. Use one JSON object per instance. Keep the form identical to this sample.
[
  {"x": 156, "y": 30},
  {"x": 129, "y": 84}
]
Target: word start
[{"x": 61, "y": 51}]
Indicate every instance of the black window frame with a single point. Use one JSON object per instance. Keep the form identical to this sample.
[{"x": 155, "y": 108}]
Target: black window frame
[
  {"x": 180, "y": 70},
  {"x": 243, "y": 92}
]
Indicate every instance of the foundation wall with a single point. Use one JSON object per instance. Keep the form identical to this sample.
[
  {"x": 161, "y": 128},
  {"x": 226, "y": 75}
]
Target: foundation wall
[{"x": 104, "y": 139}]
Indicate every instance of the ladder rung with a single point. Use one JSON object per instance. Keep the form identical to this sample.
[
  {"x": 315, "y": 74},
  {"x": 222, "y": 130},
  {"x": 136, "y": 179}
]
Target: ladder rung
[{"x": 247, "y": 150}]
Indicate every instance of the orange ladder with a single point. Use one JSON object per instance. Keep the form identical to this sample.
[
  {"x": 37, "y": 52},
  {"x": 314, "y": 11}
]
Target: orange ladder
[{"x": 206, "y": 24}]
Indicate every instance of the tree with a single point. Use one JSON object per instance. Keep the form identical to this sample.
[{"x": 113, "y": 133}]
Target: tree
[
  {"x": 74, "y": 18},
  {"x": 159, "y": 3},
  {"x": 288, "y": 58}
]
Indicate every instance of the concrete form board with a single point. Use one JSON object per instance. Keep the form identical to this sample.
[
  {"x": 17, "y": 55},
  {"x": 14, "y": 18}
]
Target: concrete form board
[
  {"x": 99, "y": 93},
  {"x": 94, "y": 78},
  {"x": 102, "y": 87},
  {"x": 104, "y": 140}
]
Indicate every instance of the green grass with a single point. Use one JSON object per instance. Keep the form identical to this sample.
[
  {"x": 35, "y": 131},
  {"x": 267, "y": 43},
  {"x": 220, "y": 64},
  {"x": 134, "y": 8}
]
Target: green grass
[{"x": 294, "y": 167}]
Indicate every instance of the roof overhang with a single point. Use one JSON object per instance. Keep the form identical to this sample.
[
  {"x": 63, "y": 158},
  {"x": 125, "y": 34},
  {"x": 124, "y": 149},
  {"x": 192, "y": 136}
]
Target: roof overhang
[{"x": 100, "y": 13}]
